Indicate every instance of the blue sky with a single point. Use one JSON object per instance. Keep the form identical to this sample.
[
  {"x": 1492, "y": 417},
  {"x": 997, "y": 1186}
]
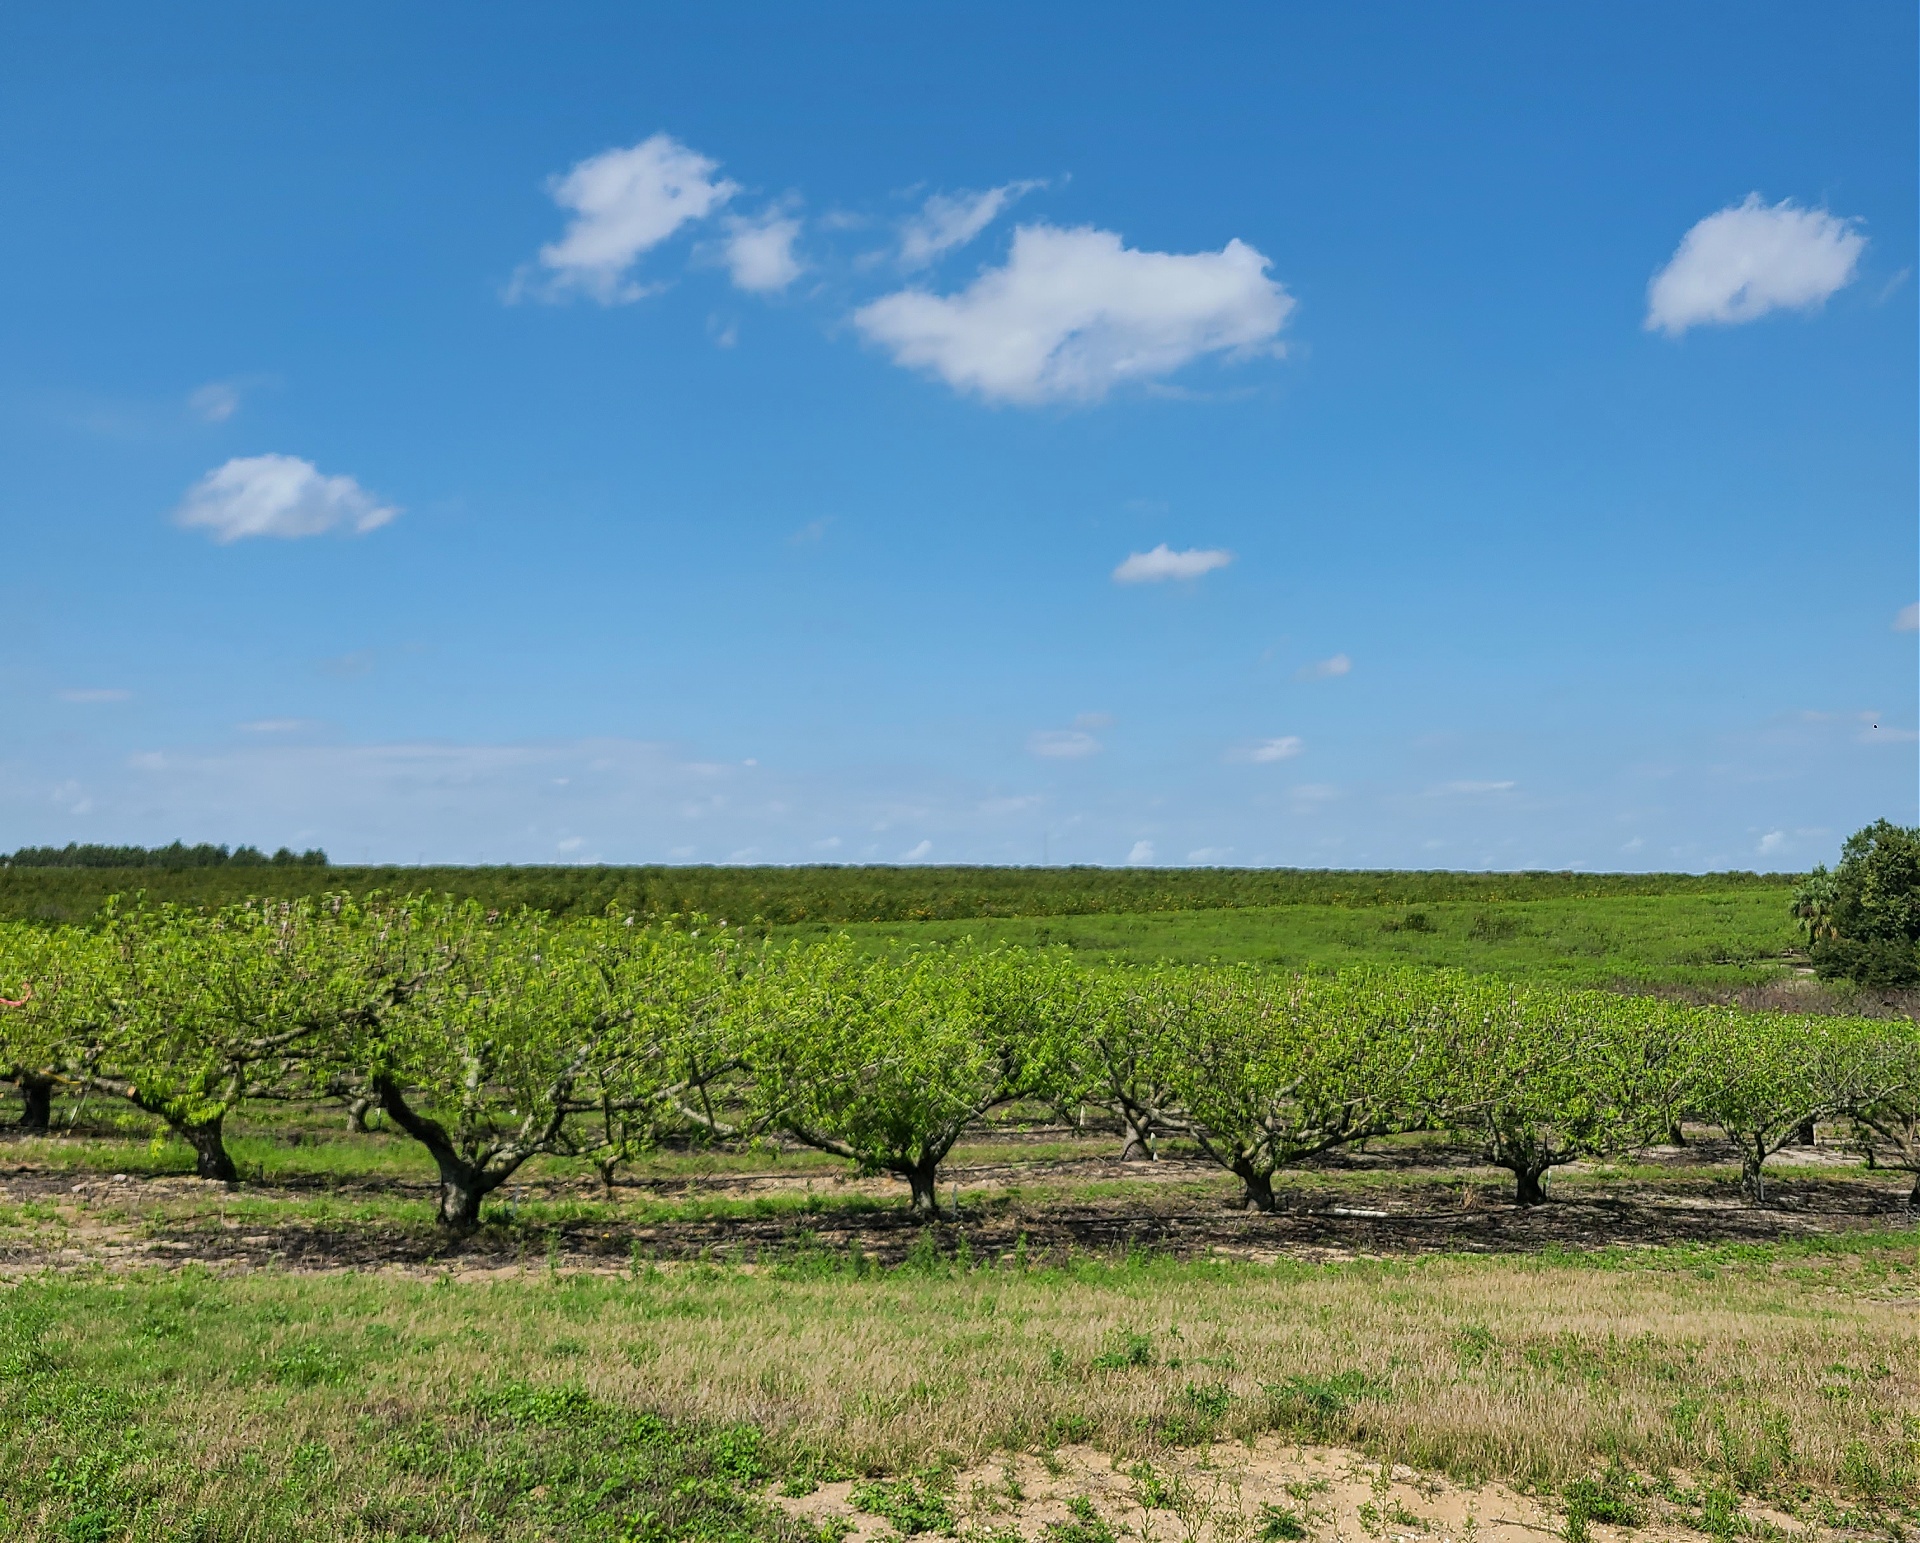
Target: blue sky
[{"x": 1474, "y": 436}]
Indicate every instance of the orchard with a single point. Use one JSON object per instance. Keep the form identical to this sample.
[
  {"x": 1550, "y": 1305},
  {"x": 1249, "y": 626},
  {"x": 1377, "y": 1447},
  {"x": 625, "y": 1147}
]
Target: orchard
[{"x": 493, "y": 1039}]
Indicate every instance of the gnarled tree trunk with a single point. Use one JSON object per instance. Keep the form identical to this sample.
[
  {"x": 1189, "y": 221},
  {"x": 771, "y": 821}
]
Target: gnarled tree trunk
[
  {"x": 36, "y": 1101},
  {"x": 923, "y": 1180},
  {"x": 464, "y": 1181},
  {"x": 211, "y": 1159},
  {"x": 1139, "y": 1145},
  {"x": 1529, "y": 1185},
  {"x": 1753, "y": 1178},
  {"x": 1258, "y": 1195}
]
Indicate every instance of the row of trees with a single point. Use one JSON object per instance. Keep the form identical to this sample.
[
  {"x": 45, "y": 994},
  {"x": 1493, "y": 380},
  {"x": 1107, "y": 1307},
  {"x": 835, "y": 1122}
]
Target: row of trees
[{"x": 494, "y": 1039}]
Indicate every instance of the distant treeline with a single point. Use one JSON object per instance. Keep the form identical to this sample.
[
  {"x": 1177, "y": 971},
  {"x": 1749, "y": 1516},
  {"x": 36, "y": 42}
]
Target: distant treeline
[
  {"x": 783, "y": 896},
  {"x": 175, "y": 857}
]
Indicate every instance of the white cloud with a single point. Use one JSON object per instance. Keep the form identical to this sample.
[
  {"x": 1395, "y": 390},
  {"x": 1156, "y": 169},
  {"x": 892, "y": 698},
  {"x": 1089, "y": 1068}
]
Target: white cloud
[
  {"x": 1752, "y": 258},
  {"x": 94, "y": 695},
  {"x": 948, "y": 220},
  {"x": 1772, "y": 842},
  {"x": 278, "y": 495},
  {"x": 278, "y": 726},
  {"x": 1062, "y": 744},
  {"x": 1468, "y": 789},
  {"x": 1909, "y": 618},
  {"x": 759, "y": 252},
  {"x": 1074, "y": 313},
  {"x": 1164, "y": 563},
  {"x": 1284, "y": 748},
  {"x": 1142, "y": 853},
  {"x": 570, "y": 844},
  {"x": 915, "y": 853},
  {"x": 215, "y": 402},
  {"x": 625, "y": 203},
  {"x": 1325, "y": 669},
  {"x": 1209, "y": 854}
]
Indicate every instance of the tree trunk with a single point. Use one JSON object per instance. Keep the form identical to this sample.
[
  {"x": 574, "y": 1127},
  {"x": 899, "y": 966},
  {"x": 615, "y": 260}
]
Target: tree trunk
[
  {"x": 36, "y": 1101},
  {"x": 210, "y": 1158},
  {"x": 464, "y": 1181},
  {"x": 1806, "y": 1135},
  {"x": 1529, "y": 1186},
  {"x": 922, "y": 1180},
  {"x": 1259, "y": 1188},
  {"x": 1753, "y": 1180},
  {"x": 1676, "y": 1137},
  {"x": 1139, "y": 1147},
  {"x": 463, "y": 1186},
  {"x": 357, "y": 1111},
  {"x": 1913, "y": 1195}
]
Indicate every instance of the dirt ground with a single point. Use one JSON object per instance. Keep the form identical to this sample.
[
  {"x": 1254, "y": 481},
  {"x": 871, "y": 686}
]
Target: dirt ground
[
  {"x": 1093, "y": 1205},
  {"x": 1235, "y": 1494}
]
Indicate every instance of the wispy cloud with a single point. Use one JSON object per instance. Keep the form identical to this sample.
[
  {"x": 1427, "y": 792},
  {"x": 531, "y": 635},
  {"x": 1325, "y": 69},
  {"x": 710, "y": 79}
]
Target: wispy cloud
[
  {"x": 1163, "y": 563},
  {"x": 1265, "y": 751},
  {"x": 949, "y": 220},
  {"x": 1072, "y": 314},
  {"x": 1468, "y": 789},
  {"x": 94, "y": 695},
  {"x": 279, "y": 726},
  {"x": 1325, "y": 669},
  {"x": 1751, "y": 258},
  {"x": 281, "y": 496},
  {"x": 1909, "y": 618},
  {"x": 215, "y": 402},
  {"x": 623, "y": 203},
  {"x": 914, "y": 853},
  {"x": 1062, "y": 744}
]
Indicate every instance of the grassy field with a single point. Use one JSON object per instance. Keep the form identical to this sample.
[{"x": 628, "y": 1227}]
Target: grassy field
[
  {"x": 1724, "y": 940},
  {"x": 761, "y": 1345}
]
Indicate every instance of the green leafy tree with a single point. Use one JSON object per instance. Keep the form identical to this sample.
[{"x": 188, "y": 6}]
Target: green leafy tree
[
  {"x": 185, "y": 1014},
  {"x": 1761, "y": 1077},
  {"x": 1886, "y": 1115},
  {"x": 1272, "y": 1072},
  {"x": 888, "y": 1062},
  {"x": 511, "y": 1034},
  {"x": 36, "y": 965},
  {"x": 1121, "y": 1020},
  {"x": 1870, "y": 909},
  {"x": 1539, "y": 1079}
]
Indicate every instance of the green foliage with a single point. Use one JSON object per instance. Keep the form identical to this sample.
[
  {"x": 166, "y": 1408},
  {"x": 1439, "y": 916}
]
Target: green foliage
[
  {"x": 1864, "y": 918},
  {"x": 835, "y": 896},
  {"x": 913, "y": 1506},
  {"x": 173, "y": 858}
]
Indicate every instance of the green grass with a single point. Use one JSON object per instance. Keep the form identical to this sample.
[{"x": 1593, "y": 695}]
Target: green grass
[
  {"x": 1728, "y": 939},
  {"x": 663, "y": 1405}
]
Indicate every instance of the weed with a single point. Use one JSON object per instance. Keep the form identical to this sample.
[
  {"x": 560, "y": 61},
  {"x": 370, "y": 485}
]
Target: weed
[
  {"x": 909, "y": 1505},
  {"x": 1281, "y": 1524},
  {"x": 1131, "y": 1351}
]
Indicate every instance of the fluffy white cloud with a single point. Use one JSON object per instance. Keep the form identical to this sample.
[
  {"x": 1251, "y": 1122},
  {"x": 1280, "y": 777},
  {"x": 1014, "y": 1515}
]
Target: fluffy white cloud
[
  {"x": 278, "y": 495},
  {"x": 94, "y": 695},
  {"x": 1325, "y": 669},
  {"x": 1074, "y": 313},
  {"x": 1164, "y": 563},
  {"x": 1909, "y": 618},
  {"x": 625, "y": 203},
  {"x": 914, "y": 853},
  {"x": 1750, "y": 259},
  {"x": 948, "y": 220},
  {"x": 1773, "y": 841},
  {"x": 759, "y": 252},
  {"x": 1284, "y": 748},
  {"x": 1062, "y": 744},
  {"x": 1142, "y": 853}
]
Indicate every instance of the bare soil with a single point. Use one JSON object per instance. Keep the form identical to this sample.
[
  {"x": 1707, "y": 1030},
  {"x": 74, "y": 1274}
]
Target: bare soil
[{"x": 1402, "y": 1202}]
